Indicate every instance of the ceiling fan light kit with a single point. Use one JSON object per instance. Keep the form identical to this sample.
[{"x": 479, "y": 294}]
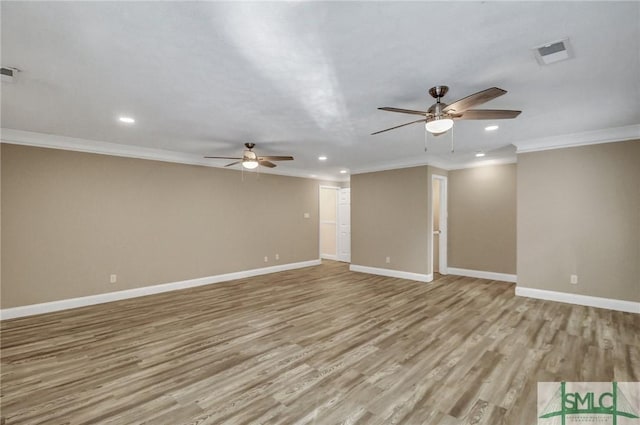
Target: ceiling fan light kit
[
  {"x": 439, "y": 125},
  {"x": 250, "y": 164}
]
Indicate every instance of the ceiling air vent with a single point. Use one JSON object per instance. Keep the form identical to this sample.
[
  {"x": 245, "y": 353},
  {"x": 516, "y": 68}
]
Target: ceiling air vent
[
  {"x": 553, "y": 52},
  {"x": 8, "y": 74}
]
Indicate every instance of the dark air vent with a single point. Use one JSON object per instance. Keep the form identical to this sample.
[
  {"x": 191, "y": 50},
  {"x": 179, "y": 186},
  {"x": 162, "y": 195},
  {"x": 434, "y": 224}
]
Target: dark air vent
[
  {"x": 553, "y": 52},
  {"x": 551, "y": 49},
  {"x": 8, "y": 74}
]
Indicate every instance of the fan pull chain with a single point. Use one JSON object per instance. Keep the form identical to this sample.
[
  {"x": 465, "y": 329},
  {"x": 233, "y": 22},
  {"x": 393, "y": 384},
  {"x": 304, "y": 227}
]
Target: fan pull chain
[
  {"x": 452, "y": 150},
  {"x": 425, "y": 139}
]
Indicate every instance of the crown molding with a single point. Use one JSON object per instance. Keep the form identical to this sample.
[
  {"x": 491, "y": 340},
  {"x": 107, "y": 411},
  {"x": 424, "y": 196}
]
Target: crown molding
[
  {"x": 606, "y": 135},
  {"x": 30, "y": 138},
  {"x": 484, "y": 163},
  {"x": 52, "y": 141},
  {"x": 42, "y": 140},
  {"x": 431, "y": 163},
  {"x": 397, "y": 165}
]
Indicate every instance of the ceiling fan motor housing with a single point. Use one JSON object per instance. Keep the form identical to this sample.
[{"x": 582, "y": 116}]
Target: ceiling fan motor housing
[{"x": 436, "y": 109}]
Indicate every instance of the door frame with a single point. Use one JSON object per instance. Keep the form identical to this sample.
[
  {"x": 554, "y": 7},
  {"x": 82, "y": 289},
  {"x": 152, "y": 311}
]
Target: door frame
[
  {"x": 337, "y": 192},
  {"x": 442, "y": 241}
]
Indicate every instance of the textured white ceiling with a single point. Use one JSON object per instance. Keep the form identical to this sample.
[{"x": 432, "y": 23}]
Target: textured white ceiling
[{"x": 305, "y": 78}]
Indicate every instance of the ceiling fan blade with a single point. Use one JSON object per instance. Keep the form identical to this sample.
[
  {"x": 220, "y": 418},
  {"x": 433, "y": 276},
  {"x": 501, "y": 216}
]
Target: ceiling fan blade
[
  {"x": 398, "y": 126},
  {"x": 266, "y": 163},
  {"x": 402, "y": 111},
  {"x": 275, "y": 158},
  {"x": 474, "y": 99},
  {"x": 488, "y": 114},
  {"x": 233, "y": 163},
  {"x": 222, "y": 157}
]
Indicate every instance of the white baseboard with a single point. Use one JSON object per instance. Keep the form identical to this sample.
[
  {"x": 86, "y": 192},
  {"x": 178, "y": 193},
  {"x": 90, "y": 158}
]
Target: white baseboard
[
  {"x": 586, "y": 300},
  {"x": 392, "y": 273},
  {"x": 30, "y": 310},
  {"x": 329, "y": 257},
  {"x": 483, "y": 275}
]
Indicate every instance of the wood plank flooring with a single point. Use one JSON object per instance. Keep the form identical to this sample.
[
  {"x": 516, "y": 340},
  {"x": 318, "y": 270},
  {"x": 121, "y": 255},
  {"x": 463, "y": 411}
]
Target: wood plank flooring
[{"x": 320, "y": 345}]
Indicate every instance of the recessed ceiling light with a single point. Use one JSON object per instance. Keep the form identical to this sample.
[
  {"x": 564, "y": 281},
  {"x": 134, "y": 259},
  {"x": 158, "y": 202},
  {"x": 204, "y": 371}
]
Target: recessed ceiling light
[
  {"x": 491, "y": 128},
  {"x": 126, "y": 120},
  {"x": 313, "y": 176},
  {"x": 343, "y": 171},
  {"x": 480, "y": 154},
  {"x": 322, "y": 158}
]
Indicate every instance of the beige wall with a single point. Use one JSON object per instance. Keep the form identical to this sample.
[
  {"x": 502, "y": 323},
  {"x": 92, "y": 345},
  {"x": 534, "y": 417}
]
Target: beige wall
[
  {"x": 482, "y": 219},
  {"x": 579, "y": 213},
  {"x": 389, "y": 218},
  {"x": 71, "y": 219}
]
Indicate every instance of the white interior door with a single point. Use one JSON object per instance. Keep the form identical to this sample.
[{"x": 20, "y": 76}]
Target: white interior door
[
  {"x": 329, "y": 222},
  {"x": 344, "y": 225}
]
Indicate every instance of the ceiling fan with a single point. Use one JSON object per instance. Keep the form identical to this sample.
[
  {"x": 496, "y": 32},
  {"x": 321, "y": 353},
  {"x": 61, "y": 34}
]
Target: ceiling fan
[
  {"x": 439, "y": 117},
  {"x": 250, "y": 160}
]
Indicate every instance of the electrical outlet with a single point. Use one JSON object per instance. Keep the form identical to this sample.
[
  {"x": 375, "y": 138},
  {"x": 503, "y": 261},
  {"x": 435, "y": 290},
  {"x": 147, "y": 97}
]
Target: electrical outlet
[
  {"x": 388, "y": 260},
  {"x": 574, "y": 279},
  {"x": 277, "y": 256},
  {"x": 306, "y": 215},
  {"x": 113, "y": 278},
  {"x": 266, "y": 259}
]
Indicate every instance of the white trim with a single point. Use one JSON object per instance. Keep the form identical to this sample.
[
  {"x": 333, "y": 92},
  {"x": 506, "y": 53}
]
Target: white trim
[
  {"x": 420, "y": 162},
  {"x": 397, "y": 165},
  {"x": 329, "y": 257},
  {"x": 51, "y": 141},
  {"x": 483, "y": 163},
  {"x": 31, "y": 138},
  {"x": 606, "y": 135},
  {"x": 392, "y": 273},
  {"x": 504, "y": 277},
  {"x": 29, "y": 310},
  {"x": 585, "y": 300}
]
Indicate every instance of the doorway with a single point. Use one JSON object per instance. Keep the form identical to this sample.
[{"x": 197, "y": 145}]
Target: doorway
[
  {"x": 335, "y": 223},
  {"x": 439, "y": 224},
  {"x": 329, "y": 222}
]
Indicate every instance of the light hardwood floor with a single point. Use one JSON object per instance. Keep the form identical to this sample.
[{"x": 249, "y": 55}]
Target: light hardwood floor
[{"x": 320, "y": 345}]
